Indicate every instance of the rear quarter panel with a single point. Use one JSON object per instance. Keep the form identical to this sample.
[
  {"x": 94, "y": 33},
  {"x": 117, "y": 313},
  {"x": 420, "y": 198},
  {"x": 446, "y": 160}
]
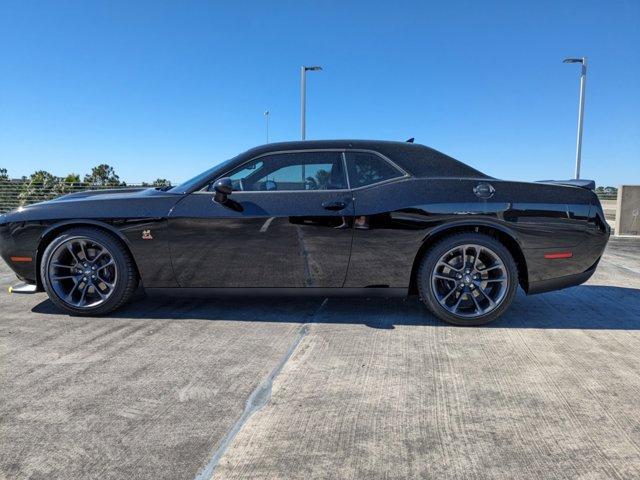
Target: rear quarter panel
[{"x": 404, "y": 214}]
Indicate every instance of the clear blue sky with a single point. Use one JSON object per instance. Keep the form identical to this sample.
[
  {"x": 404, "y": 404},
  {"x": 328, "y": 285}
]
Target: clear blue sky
[{"x": 170, "y": 88}]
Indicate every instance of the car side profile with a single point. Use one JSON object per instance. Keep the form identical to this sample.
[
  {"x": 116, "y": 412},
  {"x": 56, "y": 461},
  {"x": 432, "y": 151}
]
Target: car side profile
[{"x": 333, "y": 217}]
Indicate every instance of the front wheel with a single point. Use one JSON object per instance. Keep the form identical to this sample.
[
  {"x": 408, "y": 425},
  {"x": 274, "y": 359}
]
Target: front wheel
[
  {"x": 86, "y": 271},
  {"x": 468, "y": 279}
]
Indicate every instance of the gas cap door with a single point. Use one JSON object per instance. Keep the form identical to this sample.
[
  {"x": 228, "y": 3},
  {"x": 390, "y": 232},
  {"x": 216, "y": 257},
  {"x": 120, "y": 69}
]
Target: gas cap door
[{"x": 484, "y": 190}]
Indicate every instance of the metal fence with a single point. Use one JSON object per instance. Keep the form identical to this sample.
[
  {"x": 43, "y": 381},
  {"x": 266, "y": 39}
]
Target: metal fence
[
  {"x": 17, "y": 193},
  {"x": 607, "y": 196}
]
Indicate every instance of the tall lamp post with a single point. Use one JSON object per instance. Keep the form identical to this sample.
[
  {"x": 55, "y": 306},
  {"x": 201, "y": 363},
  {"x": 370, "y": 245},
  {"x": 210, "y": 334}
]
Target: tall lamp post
[
  {"x": 303, "y": 98},
  {"x": 266, "y": 116},
  {"x": 583, "y": 81}
]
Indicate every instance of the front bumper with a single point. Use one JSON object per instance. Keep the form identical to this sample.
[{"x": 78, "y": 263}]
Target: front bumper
[{"x": 18, "y": 248}]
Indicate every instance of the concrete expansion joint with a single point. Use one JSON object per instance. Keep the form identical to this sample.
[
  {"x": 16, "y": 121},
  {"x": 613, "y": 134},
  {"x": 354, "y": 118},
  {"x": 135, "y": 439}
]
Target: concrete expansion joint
[{"x": 258, "y": 399}]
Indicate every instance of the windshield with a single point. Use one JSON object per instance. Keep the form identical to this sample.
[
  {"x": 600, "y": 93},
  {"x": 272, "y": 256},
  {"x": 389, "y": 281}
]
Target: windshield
[{"x": 201, "y": 178}]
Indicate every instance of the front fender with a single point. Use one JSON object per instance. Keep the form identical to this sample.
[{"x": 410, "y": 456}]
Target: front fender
[
  {"x": 50, "y": 230},
  {"x": 150, "y": 251}
]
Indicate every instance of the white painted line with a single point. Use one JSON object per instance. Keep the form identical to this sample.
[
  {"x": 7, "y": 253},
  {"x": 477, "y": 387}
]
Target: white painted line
[{"x": 266, "y": 224}]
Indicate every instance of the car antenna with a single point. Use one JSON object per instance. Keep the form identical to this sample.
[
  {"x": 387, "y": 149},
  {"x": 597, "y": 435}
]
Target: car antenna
[{"x": 410, "y": 140}]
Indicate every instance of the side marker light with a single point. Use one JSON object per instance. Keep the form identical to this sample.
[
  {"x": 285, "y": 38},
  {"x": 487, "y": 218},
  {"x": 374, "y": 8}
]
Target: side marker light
[
  {"x": 554, "y": 256},
  {"x": 21, "y": 259}
]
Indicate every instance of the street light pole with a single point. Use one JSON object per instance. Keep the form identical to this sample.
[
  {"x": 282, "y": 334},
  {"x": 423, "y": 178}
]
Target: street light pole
[
  {"x": 583, "y": 82},
  {"x": 266, "y": 116},
  {"x": 303, "y": 101},
  {"x": 303, "y": 98}
]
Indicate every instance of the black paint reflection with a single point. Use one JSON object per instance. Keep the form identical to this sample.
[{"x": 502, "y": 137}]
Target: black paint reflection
[{"x": 262, "y": 245}]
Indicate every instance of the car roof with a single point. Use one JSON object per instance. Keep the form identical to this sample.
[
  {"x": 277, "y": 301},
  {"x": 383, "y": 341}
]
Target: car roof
[{"x": 417, "y": 159}]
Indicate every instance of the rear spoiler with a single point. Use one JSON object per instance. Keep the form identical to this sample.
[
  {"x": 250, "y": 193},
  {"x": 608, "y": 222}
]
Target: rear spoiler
[{"x": 588, "y": 184}]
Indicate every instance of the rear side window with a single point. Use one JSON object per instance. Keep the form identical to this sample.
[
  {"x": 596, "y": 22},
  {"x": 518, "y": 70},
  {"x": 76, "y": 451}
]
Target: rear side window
[{"x": 367, "y": 168}]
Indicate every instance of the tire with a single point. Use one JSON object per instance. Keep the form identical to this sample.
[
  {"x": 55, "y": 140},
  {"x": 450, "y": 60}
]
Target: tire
[
  {"x": 468, "y": 299},
  {"x": 88, "y": 272}
]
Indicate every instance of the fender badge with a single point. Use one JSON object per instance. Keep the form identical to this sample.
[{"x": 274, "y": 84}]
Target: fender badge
[{"x": 146, "y": 235}]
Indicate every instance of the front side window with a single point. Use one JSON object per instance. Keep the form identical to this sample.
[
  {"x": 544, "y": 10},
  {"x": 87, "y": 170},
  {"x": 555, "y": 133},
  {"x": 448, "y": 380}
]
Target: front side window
[
  {"x": 291, "y": 171},
  {"x": 366, "y": 168}
]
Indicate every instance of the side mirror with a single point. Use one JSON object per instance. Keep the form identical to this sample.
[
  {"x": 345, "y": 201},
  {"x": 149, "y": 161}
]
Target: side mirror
[{"x": 223, "y": 188}]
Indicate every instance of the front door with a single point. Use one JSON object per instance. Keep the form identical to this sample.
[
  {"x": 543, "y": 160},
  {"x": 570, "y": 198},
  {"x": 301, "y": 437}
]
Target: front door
[{"x": 289, "y": 225}]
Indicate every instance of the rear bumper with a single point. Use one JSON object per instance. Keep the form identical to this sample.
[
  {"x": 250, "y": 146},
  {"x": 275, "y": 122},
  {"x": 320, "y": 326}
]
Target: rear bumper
[
  {"x": 547, "y": 271},
  {"x": 561, "y": 282}
]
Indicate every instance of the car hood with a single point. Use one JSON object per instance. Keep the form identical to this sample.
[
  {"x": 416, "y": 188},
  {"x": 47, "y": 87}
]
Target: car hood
[
  {"x": 111, "y": 203},
  {"x": 112, "y": 193}
]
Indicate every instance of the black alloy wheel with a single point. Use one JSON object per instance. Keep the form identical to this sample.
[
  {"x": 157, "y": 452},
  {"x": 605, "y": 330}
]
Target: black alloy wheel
[
  {"x": 468, "y": 279},
  {"x": 86, "y": 271}
]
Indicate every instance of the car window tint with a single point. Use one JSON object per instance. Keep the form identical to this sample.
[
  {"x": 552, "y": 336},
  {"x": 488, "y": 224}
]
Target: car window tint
[
  {"x": 367, "y": 168},
  {"x": 291, "y": 171},
  {"x": 246, "y": 170}
]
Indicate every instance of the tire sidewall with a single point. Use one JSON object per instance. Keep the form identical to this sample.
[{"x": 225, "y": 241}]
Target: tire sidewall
[
  {"x": 428, "y": 265},
  {"x": 118, "y": 255}
]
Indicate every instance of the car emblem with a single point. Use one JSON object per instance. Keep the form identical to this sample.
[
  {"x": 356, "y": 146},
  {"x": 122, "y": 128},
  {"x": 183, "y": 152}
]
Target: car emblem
[{"x": 146, "y": 235}]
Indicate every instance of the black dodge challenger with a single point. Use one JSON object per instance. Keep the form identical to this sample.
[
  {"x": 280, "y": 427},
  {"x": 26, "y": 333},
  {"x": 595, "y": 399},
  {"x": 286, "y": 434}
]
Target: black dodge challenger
[{"x": 315, "y": 217}]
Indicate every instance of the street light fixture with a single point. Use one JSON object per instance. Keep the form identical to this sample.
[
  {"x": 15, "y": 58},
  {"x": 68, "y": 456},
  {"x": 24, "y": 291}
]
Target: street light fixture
[
  {"x": 583, "y": 81},
  {"x": 303, "y": 97}
]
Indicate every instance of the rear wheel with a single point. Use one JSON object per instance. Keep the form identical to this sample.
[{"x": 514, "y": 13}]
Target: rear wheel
[
  {"x": 468, "y": 279},
  {"x": 86, "y": 271}
]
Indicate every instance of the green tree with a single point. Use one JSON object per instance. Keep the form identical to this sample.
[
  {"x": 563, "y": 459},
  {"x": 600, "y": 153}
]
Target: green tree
[
  {"x": 7, "y": 195},
  {"x": 69, "y": 184},
  {"x": 103, "y": 176},
  {"x": 72, "y": 178},
  {"x": 40, "y": 186},
  {"x": 161, "y": 182}
]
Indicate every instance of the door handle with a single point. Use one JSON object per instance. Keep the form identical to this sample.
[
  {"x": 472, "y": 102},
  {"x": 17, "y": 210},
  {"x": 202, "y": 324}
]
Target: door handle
[{"x": 334, "y": 205}]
